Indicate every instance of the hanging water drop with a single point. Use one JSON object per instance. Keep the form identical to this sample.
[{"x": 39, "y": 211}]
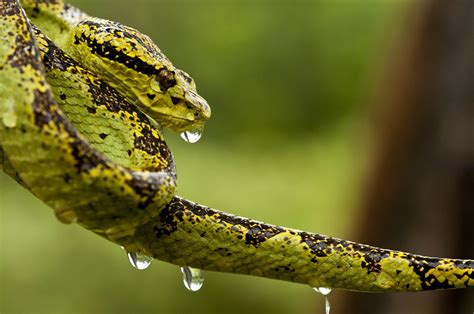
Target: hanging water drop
[
  {"x": 139, "y": 261},
  {"x": 192, "y": 136},
  {"x": 325, "y": 291},
  {"x": 327, "y": 305},
  {"x": 66, "y": 217},
  {"x": 193, "y": 278}
]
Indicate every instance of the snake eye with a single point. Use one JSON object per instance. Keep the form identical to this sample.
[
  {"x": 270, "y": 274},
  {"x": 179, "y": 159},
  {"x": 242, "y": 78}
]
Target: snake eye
[{"x": 165, "y": 79}]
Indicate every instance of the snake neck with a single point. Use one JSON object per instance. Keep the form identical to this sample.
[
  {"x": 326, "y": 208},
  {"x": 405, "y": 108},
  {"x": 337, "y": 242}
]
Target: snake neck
[
  {"x": 58, "y": 22},
  {"x": 55, "y": 18}
]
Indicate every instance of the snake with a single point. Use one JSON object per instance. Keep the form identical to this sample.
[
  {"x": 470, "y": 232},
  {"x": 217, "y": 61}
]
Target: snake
[{"x": 83, "y": 104}]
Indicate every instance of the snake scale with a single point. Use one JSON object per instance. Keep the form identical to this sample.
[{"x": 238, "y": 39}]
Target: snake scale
[{"x": 82, "y": 103}]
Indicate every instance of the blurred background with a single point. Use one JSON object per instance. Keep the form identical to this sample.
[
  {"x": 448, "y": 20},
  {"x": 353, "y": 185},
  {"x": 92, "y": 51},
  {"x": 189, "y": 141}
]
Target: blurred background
[{"x": 291, "y": 142}]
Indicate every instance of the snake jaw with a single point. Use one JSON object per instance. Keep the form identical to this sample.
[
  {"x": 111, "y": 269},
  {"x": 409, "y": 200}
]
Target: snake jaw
[{"x": 178, "y": 118}]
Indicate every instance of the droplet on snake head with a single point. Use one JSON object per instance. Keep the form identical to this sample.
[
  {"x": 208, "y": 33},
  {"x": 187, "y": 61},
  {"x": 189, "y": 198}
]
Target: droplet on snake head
[
  {"x": 193, "y": 278},
  {"x": 139, "y": 261},
  {"x": 192, "y": 136},
  {"x": 324, "y": 291}
]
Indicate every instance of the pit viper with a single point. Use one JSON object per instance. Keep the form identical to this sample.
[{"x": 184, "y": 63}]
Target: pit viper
[{"x": 82, "y": 105}]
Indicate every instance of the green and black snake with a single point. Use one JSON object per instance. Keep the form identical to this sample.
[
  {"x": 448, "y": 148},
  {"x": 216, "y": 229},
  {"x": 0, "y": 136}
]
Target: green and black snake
[{"x": 82, "y": 103}]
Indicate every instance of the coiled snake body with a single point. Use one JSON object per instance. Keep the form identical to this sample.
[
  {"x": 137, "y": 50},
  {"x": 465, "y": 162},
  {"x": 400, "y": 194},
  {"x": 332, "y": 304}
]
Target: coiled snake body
[{"x": 82, "y": 102}]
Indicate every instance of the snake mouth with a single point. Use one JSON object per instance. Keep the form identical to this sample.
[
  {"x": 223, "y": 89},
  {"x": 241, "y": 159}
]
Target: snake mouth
[
  {"x": 178, "y": 124},
  {"x": 182, "y": 115}
]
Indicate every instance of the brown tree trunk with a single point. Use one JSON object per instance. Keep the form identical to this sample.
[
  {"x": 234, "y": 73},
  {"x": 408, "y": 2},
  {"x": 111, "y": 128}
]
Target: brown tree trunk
[{"x": 419, "y": 196}]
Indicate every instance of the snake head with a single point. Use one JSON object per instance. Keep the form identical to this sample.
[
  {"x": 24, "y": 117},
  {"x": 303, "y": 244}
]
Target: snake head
[
  {"x": 132, "y": 63},
  {"x": 174, "y": 101}
]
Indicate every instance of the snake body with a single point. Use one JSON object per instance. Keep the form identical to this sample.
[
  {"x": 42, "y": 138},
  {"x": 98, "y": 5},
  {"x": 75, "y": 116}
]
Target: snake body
[{"x": 72, "y": 134}]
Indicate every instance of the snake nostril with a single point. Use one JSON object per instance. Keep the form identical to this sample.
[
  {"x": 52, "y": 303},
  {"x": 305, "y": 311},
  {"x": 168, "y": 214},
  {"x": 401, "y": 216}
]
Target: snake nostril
[{"x": 175, "y": 100}]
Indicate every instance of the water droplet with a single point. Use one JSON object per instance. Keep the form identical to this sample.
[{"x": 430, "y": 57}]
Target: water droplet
[
  {"x": 193, "y": 278},
  {"x": 66, "y": 216},
  {"x": 327, "y": 305},
  {"x": 192, "y": 136},
  {"x": 139, "y": 261},
  {"x": 325, "y": 291}
]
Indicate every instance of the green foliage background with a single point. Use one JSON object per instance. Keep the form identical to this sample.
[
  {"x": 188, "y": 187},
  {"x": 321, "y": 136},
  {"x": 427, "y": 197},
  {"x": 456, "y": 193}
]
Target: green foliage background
[{"x": 289, "y": 83}]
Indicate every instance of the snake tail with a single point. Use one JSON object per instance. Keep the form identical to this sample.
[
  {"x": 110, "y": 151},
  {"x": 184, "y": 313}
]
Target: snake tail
[{"x": 189, "y": 234}]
